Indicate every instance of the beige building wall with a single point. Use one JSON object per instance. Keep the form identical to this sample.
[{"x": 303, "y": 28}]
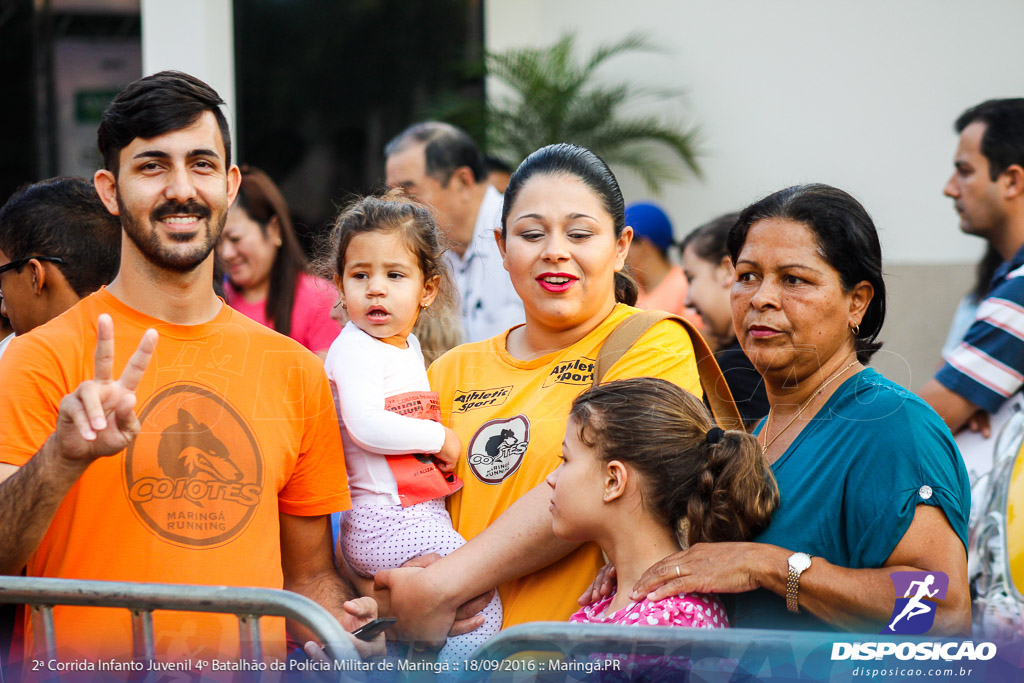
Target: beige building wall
[
  {"x": 203, "y": 44},
  {"x": 921, "y": 301},
  {"x": 860, "y": 95}
]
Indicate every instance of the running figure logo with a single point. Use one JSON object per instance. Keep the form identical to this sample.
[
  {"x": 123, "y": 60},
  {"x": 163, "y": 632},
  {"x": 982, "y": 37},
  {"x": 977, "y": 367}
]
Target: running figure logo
[{"x": 914, "y": 613}]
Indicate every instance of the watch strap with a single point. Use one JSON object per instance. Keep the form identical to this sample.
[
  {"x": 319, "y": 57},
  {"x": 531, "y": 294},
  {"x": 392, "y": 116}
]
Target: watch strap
[{"x": 793, "y": 588}]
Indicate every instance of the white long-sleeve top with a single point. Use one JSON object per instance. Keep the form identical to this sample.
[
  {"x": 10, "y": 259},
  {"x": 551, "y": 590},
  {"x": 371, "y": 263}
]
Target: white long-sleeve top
[{"x": 365, "y": 371}]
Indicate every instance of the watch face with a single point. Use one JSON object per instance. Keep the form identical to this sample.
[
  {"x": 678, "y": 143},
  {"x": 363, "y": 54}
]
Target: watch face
[{"x": 799, "y": 561}]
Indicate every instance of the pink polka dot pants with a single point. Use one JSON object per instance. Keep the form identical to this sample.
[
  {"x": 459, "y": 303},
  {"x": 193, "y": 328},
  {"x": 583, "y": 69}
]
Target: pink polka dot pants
[{"x": 385, "y": 537}]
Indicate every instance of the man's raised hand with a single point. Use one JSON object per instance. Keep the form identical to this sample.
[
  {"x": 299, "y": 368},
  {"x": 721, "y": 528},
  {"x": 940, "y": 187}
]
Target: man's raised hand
[{"x": 98, "y": 418}]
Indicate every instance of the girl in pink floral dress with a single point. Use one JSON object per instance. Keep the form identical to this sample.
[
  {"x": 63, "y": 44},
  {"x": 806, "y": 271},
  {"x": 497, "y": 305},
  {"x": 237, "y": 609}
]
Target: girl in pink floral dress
[{"x": 643, "y": 468}]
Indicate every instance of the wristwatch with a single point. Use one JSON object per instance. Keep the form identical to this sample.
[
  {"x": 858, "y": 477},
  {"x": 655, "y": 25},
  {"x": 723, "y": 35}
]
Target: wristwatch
[{"x": 798, "y": 563}]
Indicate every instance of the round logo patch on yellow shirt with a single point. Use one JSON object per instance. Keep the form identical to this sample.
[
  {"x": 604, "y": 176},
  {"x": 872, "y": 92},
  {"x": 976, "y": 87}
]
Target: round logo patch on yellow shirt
[{"x": 496, "y": 450}]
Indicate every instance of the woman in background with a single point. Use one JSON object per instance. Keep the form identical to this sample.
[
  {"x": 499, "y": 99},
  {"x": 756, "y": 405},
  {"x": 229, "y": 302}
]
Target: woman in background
[
  {"x": 711, "y": 275},
  {"x": 267, "y": 271}
]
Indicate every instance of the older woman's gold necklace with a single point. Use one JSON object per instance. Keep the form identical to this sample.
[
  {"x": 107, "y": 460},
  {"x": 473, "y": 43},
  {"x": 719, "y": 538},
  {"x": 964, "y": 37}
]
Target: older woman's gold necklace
[{"x": 803, "y": 406}]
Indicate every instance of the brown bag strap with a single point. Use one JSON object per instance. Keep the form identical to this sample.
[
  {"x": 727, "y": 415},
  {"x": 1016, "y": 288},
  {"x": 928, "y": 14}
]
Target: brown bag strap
[{"x": 712, "y": 381}]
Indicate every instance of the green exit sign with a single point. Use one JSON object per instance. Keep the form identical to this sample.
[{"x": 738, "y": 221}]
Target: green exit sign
[{"x": 90, "y": 104}]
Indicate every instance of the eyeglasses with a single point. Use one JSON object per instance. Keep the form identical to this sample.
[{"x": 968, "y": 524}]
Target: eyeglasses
[{"x": 17, "y": 264}]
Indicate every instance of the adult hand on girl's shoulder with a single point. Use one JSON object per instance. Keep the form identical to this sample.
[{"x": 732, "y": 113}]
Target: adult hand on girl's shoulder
[
  {"x": 450, "y": 450},
  {"x": 707, "y": 568},
  {"x": 601, "y": 587}
]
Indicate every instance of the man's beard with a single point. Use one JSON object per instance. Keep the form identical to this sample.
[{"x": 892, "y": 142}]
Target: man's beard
[{"x": 147, "y": 239}]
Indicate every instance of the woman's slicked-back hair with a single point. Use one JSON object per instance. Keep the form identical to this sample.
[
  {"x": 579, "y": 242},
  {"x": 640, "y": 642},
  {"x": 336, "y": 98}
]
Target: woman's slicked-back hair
[
  {"x": 847, "y": 240},
  {"x": 263, "y": 202},
  {"x": 564, "y": 159},
  {"x": 571, "y": 160}
]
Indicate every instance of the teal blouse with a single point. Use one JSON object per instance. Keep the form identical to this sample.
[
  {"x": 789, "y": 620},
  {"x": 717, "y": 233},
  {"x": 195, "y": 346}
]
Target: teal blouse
[{"x": 850, "y": 482}]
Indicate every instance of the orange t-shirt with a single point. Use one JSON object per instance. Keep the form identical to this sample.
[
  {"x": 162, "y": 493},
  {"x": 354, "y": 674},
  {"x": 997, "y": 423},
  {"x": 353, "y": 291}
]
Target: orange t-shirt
[
  {"x": 670, "y": 295},
  {"x": 511, "y": 415},
  {"x": 238, "y": 425}
]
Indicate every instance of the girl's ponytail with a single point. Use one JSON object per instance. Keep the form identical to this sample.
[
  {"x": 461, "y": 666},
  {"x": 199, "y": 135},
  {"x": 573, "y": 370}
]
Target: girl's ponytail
[{"x": 735, "y": 491}]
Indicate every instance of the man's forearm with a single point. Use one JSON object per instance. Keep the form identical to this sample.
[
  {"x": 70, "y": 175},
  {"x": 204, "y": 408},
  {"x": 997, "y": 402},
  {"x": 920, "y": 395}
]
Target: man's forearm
[
  {"x": 29, "y": 499},
  {"x": 307, "y": 563},
  {"x": 329, "y": 590},
  {"x": 953, "y": 408}
]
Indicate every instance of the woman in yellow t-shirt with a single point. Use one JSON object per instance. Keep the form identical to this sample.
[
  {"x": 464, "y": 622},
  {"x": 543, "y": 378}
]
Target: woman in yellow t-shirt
[{"x": 564, "y": 241}]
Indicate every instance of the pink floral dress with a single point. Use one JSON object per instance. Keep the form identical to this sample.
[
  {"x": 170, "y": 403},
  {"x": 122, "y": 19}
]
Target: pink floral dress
[{"x": 693, "y": 610}]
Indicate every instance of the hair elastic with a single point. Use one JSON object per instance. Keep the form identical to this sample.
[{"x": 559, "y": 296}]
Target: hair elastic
[{"x": 714, "y": 435}]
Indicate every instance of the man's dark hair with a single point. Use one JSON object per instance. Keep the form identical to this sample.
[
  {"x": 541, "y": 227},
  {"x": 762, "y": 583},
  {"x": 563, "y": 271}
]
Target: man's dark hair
[
  {"x": 446, "y": 149},
  {"x": 1003, "y": 140},
  {"x": 64, "y": 217},
  {"x": 493, "y": 164},
  {"x": 154, "y": 105}
]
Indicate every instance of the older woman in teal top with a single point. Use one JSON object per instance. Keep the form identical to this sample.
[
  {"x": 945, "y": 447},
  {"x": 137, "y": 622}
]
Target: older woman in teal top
[{"x": 870, "y": 480}]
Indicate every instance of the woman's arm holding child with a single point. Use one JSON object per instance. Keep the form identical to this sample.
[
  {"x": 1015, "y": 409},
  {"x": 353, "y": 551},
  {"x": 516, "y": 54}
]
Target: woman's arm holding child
[{"x": 519, "y": 542}]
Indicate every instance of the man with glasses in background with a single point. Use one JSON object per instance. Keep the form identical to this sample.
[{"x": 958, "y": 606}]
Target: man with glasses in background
[{"x": 58, "y": 243}]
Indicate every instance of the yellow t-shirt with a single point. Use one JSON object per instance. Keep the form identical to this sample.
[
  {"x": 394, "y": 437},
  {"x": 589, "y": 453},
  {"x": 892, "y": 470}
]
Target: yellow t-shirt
[{"x": 511, "y": 416}]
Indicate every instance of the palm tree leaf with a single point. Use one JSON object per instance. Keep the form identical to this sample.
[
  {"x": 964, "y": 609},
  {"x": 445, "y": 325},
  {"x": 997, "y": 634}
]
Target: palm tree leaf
[
  {"x": 634, "y": 42},
  {"x": 553, "y": 97}
]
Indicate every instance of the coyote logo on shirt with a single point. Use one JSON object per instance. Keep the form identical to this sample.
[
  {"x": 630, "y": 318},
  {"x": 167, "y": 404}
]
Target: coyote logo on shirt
[
  {"x": 194, "y": 474},
  {"x": 189, "y": 449},
  {"x": 496, "y": 450}
]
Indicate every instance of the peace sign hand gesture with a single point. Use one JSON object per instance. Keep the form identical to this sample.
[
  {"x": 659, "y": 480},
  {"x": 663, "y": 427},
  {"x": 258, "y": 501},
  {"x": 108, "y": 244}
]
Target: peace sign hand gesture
[{"x": 98, "y": 418}]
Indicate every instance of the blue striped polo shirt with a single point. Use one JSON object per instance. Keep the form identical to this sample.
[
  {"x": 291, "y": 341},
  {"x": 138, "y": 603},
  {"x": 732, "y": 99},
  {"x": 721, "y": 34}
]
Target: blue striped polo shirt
[{"x": 988, "y": 365}]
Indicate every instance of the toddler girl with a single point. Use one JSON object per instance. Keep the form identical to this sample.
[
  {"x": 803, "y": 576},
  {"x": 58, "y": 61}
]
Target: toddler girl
[
  {"x": 641, "y": 457},
  {"x": 388, "y": 268}
]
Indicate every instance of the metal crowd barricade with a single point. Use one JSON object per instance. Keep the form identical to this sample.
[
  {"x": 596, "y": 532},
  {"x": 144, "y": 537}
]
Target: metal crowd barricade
[
  {"x": 248, "y": 604},
  {"x": 557, "y": 651}
]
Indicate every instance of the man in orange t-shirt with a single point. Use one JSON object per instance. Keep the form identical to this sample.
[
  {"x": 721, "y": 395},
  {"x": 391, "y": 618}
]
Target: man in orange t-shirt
[
  {"x": 662, "y": 285},
  {"x": 215, "y": 457}
]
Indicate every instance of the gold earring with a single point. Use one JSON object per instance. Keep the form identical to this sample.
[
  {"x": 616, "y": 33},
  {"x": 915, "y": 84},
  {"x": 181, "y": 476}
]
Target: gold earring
[
  {"x": 344, "y": 305},
  {"x": 856, "y": 330}
]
